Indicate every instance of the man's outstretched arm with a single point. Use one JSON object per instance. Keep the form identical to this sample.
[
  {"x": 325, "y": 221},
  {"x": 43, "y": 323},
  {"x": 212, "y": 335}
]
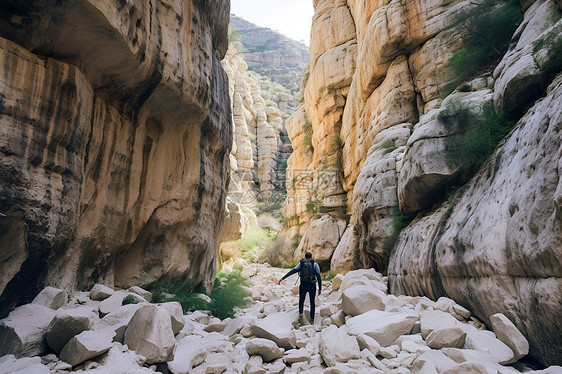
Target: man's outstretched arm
[{"x": 296, "y": 269}]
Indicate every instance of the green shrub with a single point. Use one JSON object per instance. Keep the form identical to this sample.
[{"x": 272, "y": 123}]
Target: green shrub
[
  {"x": 336, "y": 144},
  {"x": 307, "y": 127},
  {"x": 552, "y": 64},
  {"x": 399, "y": 222},
  {"x": 308, "y": 143},
  {"x": 255, "y": 243},
  {"x": 225, "y": 296},
  {"x": 486, "y": 30},
  {"x": 313, "y": 206},
  {"x": 328, "y": 276},
  {"x": 388, "y": 146},
  {"x": 129, "y": 299},
  {"x": 297, "y": 240},
  {"x": 480, "y": 133}
]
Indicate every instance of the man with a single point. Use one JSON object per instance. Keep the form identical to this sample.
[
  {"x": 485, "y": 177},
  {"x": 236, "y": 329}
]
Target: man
[{"x": 309, "y": 270}]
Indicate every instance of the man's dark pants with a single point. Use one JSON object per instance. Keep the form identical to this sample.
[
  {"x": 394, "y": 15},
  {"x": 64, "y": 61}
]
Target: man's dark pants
[{"x": 310, "y": 289}]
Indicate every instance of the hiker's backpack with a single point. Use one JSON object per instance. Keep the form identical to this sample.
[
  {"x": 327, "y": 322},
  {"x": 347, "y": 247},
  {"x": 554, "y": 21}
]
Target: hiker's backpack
[{"x": 307, "y": 270}]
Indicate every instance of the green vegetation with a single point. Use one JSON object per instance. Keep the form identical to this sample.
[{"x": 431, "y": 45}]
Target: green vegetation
[
  {"x": 328, "y": 276},
  {"x": 129, "y": 299},
  {"x": 388, "y": 146},
  {"x": 399, "y": 222},
  {"x": 255, "y": 243},
  {"x": 336, "y": 143},
  {"x": 308, "y": 143},
  {"x": 315, "y": 206},
  {"x": 480, "y": 133},
  {"x": 552, "y": 64},
  {"x": 227, "y": 294},
  {"x": 272, "y": 208},
  {"x": 297, "y": 240},
  {"x": 486, "y": 30}
]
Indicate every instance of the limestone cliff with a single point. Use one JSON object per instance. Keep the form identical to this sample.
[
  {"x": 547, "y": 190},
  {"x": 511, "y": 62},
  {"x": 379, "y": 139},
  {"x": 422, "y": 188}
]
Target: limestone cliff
[
  {"x": 371, "y": 154},
  {"x": 115, "y": 138}
]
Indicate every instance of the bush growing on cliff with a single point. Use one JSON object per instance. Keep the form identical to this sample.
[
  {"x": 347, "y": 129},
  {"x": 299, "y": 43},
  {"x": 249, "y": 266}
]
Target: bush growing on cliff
[
  {"x": 399, "y": 222},
  {"x": 486, "y": 30},
  {"x": 255, "y": 243},
  {"x": 480, "y": 131}
]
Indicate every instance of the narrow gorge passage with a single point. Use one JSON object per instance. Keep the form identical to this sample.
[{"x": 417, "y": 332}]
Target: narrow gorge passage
[{"x": 164, "y": 163}]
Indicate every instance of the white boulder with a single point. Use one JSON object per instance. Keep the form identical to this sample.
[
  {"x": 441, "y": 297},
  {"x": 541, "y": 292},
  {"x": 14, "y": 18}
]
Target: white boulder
[
  {"x": 150, "y": 334},
  {"x": 277, "y": 327},
  {"x": 175, "y": 311},
  {"x": 336, "y": 345},
  {"x": 357, "y": 300},
  {"x": 68, "y": 323},
  {"x": 453, "y": 337},
  {"x": 509, "y": 334},
  {"x": 22, "y": 333},
  {"x": 118, "y": 320},
  {"x": 435, "y": 319},
  {"x": 384, "y": 327},
  {"x": 265, "y": 348},
  {"x": 51, "y": 297},
  {"x": 29, "y": 365},
  {"x": 147, "y": 295},
  {"x": 366, "y": 342},
  {"x": 189, "y": 353},
  {"x": 487, "y": 341},
  {"x": 85, "y": 346},
  {"x": 101, "y": 292}
]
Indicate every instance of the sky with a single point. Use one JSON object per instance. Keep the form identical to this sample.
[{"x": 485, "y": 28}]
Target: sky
[{"x": 289, "y": 17}]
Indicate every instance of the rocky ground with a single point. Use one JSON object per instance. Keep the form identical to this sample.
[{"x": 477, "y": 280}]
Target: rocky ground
[{"x": 358, "y": 328}]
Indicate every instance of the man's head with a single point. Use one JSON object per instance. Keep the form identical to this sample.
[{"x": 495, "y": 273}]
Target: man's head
[{"x": 308, "y": 255}]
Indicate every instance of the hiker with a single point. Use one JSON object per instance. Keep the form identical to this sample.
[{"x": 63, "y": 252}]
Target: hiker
[{"x": 309, "y": 270}]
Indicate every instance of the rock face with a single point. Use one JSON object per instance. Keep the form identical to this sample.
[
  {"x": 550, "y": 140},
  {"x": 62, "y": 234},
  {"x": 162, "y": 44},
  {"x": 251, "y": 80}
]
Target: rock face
[
  {"x": 370, "y": 144},
  {"x": 109, "y": 115}
]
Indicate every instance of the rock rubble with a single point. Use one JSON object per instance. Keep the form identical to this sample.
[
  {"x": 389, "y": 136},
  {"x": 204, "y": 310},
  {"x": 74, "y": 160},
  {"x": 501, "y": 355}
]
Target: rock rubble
[{"x": 394, "y": 335}]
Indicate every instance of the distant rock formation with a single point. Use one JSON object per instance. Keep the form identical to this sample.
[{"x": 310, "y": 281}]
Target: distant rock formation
[{"x": 115, "y": 138}]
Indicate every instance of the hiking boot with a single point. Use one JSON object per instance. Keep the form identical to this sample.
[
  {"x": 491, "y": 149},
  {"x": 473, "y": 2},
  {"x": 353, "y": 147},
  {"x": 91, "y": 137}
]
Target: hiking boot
[
  {"x": 312, "y": 321},
  {"x": 301, "y": 319}
]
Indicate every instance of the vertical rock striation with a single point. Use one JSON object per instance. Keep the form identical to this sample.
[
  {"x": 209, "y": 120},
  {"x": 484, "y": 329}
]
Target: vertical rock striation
[
  {"x": 116, "y": 132},
  {"x": 376, "y": 114}
]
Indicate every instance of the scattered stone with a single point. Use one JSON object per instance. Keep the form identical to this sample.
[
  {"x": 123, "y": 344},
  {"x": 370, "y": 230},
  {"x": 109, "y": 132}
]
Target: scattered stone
[
  {"x": 85, "y": 346},
  {"x": 265, "y": 348},
  {"x": 338, "y": 319},
  {"x": 444, "y": 304},
  {"x": 467, "y": 368},
  {"x": 150, "y": 334},
  {"x": 29, "y": 365},
  {"x": 366, "y": 342},
  {"x": 384, "y": 327},
  {"x": 297, "y": 355},
  {"x": 22, "y": 333},
  {"x": 360, "y": 299},
  {"x": 461, "y": 311},
  {"x": 68, "y": 323},
  {"x": 277, "y": 327},
  {"x": 101, "y": 292},
  {"x": 336, "y": 282},
  {"x": 51, "y": 297},
  {"x": 118, "y": 320},
  {"x": 487, "y": 341},
  {"x": 336, "y": 345},
  {"x": 453, "y": 337},
  {"x": 435, "y": 319},
  {"x": 175, "y": 311},
  {"x": 112, "y": 303},
  {"x": 389, "y": 352},
  {"x": 508, "y": 333},
  {"x": 215, "y": 326},
  {"x": 432, "y": 361},
  {"x": 189, "y": 353},
  {"x": 147, "y": 295}
]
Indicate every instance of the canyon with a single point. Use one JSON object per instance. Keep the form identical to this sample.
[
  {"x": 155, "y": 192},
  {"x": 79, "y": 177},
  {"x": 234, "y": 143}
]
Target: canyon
[{"x": 138, "y": 141}]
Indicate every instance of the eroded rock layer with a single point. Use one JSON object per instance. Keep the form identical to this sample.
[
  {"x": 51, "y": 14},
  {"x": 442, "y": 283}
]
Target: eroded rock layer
[
  {"x": 371, "y": 155},
  {"x": 115, "y": 137}
]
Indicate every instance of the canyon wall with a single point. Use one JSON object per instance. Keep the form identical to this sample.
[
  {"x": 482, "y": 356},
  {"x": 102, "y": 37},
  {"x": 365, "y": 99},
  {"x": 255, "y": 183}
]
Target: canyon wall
[
  {"x": 115, "y": 140},
  {"x": 370, "y": 155}
]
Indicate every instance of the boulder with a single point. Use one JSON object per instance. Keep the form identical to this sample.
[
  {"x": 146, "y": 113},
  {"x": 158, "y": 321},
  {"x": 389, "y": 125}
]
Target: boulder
[
  {"x": 150, "y": 334},
  {"x": 68, "y": 323},
  {"x": 467, "y": 368},
  {"x": 119, "y": 359},
  {"x": 487, "y": 341},
  {"x": 118, "y": 320},
  {"x": 453, "y": 337},
  {"x": 337, "y": 281},
  {"x": 431, "y": 362},
  {"x": 22, "y": 333},
  {"x": 435, "y": 319},
  {"x": 265, "y": 348},
  {"x": 85, "y": 346},
  {"x": 112, "y": 303},
  {"x": 101, "y": 292},
  {"x": 277, "y": 327},
  {"x": 297, "y": 355},
  {"x": 482, "y": 357},
  {"x": 337, "y": 346},
  {"x": 147, "y": 295},
  {"x": 175, "y": 310},
  {"x": 51, "y": 297},
  {"x": 28, "y": 365},
  {"x": 189, "y": 353},
  {"x": 366, "y": 342},
  {"x": 384, "y": 327},
  {"x": 506, "y": 331},
  {"x": 360, "y": 299}
]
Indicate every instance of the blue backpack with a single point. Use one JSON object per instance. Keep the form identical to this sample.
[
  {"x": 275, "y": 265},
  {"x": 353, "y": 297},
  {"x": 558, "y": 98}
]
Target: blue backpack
[{"x": 307, "y": 270}]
